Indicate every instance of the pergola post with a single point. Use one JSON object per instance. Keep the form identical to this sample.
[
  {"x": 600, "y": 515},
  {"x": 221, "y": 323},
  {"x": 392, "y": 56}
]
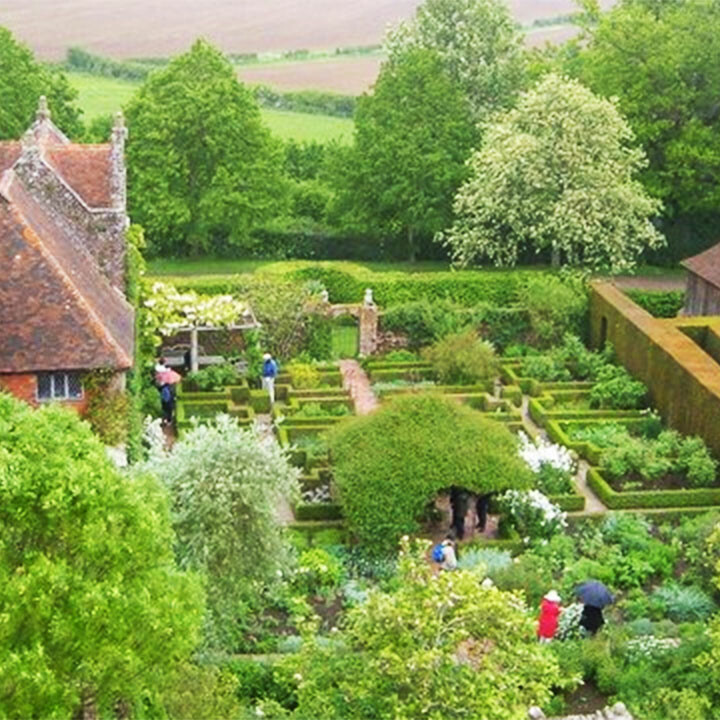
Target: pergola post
[{"x": 194, "y": 364}]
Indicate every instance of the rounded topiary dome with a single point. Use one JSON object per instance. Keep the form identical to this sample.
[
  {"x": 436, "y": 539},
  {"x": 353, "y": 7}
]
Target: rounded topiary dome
[{"x": 388, "y": 465}]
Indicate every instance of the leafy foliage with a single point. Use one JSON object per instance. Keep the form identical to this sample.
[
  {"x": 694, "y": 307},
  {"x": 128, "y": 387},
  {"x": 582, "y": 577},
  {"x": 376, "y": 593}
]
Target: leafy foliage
[
  {"x": 24, "y": 80},
  {"x": 401, "y": 182},
  {"x": 478, "y": 44},
  {"x": 463, "y": 359},
  {"x": 213, "y": 377},
  {"x": 94, "y": 607},
  {"x": 434, "y": 645},
  {"x": 202, "y": 169},
  {"x": 225, "y": 484},
  {"x": 423, "y": 321},
  {"x": 616, "y": 389},
  {"x": 388, "y": 464},
  {"x": 557, "y": 172}
]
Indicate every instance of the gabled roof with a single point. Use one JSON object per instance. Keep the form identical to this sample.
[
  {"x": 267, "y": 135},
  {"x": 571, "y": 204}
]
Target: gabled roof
[
  {"x": 86, "y": 169},
  {"x": 57, "y": 310},
  {"x": 706, "y": 265}
]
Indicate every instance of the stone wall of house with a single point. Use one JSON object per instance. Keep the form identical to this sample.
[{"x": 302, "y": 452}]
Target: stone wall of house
[{"x": 98, "y": 232}]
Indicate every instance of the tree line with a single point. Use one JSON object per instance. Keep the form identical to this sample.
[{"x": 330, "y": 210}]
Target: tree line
[{"x": 469, "y": 146}]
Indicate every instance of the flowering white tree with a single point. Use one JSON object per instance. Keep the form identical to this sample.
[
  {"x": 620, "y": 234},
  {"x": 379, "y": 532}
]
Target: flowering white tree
[
  {"x": 556, "y": 172},
  {"x": 478, "y": 43},
  {"x": 226, "y": 484}
]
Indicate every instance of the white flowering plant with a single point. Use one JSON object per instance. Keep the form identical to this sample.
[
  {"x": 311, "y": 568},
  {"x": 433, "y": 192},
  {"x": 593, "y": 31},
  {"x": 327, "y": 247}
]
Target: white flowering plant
[
  {"x": 552, "y": 464},
  {"x": 569, "y": 627},
  {"x": 168, "y": 309},
  {"x": 649, "y": 647},
  {"x": 530, "y": 515}
]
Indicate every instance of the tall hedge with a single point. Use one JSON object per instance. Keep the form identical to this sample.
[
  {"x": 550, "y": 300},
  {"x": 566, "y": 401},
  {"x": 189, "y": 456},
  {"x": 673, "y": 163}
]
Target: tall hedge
[{"x": 390, "y": 464}]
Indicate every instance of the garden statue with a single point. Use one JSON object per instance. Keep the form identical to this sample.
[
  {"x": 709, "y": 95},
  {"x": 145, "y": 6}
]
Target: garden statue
[
  {"x": 324, "y": 296},
  {"x": 368, "y": 300}
]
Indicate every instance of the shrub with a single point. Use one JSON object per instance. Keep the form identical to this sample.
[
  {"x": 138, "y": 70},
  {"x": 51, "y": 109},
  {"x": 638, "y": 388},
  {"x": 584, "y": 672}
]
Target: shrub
[
  {"x": 424, "y": 321},
  {"x": 530, "y": 515},
  {"x": 569, "y": 361},
  {"x": 683, "y": 603},
  {"x": 665, "y": 304},
  {"x": 318, "y": 572},
  {"x": 488, "y": 559},
  {"x": 389, "y": 464},
  {"x": 463, "y": 359},
  {"x": 526, "y": 575},
  {"x": 303, "y": 375},
  {"x": 213, "y": 377},
  {"x": 616, "y": 389},
  {"x": 555, "y": 308},
  {"x": 107, "y": 413}
]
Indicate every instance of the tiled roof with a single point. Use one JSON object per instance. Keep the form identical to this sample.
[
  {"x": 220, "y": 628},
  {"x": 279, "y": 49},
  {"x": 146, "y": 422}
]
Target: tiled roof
[
  {"x": 9, "y": 153},
  {"x": 57, "y": 310},
  {"x": 86, "y": 169},
  {"x": 706, "y": 265}
]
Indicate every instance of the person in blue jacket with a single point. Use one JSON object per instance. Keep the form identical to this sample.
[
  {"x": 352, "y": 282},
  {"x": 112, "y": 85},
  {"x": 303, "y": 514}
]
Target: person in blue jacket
[{"x": 269, "y": 373}]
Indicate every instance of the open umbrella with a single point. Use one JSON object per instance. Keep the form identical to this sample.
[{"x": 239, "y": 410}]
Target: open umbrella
[
  {"x": 594, "y": 593},
  {"x": 168, "y": 377}
]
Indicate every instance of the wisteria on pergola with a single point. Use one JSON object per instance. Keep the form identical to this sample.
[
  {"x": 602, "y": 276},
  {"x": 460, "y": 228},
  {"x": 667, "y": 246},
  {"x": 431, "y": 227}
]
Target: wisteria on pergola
[{"x": 173, "y": 311}]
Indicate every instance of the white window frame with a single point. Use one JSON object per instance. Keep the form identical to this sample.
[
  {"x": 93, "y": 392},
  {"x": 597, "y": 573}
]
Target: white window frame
[{"x": 60, "y": 386}]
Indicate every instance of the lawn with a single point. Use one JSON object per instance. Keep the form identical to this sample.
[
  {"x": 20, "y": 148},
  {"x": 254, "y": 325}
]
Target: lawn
[{"x": 103, "y": 96}]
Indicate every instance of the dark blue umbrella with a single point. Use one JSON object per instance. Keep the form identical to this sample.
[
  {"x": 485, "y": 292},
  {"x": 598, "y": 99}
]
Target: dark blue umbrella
[{"x": 594, "y": 593}]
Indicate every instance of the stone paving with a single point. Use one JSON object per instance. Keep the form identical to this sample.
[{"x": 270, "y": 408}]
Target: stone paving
[{"x": 616, "y": 712}]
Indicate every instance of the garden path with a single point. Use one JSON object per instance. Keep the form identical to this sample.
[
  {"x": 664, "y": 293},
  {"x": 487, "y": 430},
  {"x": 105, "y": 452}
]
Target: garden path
[
  {"x": 593, "y": 504},
  {"x": 358, "y": 384},
  {"x": 264, "y": 426}
]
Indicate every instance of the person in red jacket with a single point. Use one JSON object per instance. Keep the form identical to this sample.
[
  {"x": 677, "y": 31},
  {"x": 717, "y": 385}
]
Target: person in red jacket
[{"x": 549, "y": 614}]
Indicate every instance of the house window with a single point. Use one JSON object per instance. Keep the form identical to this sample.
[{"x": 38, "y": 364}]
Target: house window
[{"x": 59, "y": 386}]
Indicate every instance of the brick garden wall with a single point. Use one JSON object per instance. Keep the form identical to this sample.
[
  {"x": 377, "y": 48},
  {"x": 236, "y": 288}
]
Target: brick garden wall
[{"x": 684, "y": 381}]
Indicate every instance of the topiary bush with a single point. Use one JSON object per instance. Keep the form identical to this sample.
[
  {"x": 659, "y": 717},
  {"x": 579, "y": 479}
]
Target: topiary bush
[
  {"x": 388, "y": 465},
  {"x": 463, "y": 359}
]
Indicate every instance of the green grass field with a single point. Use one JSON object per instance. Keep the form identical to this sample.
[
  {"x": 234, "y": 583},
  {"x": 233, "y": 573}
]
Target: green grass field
[{"x": 104, "y": 96}]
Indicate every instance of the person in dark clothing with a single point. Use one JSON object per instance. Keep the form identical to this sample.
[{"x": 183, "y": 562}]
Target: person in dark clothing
[
  {"x": 592, "y": 618},
  {"x": 167, "y": 401},
  {"x": 482, "y": 503},
  {"x": 459, "y": 502}
]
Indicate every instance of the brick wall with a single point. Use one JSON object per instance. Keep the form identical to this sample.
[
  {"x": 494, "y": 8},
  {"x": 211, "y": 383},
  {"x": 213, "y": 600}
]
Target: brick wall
[
  {"x": 24, "y": 387},
  {"x": 684, "y": 381}
]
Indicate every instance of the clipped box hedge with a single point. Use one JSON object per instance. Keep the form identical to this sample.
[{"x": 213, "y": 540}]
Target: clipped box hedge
[
  {"x": 642, "y": 499},
  {"x": 542, "y": 415},
  {"x": 318, "y": 511}
]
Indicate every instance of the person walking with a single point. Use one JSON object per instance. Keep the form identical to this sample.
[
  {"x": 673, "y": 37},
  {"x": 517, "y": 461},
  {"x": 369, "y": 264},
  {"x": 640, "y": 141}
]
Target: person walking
[
  {"x": 482, "y": 503},
  {"x": 269, "y": 373},
  {"x": 167, "y": 401},
  {"x": 459, "y": 502},
  {"x": 549, "y": 614}
]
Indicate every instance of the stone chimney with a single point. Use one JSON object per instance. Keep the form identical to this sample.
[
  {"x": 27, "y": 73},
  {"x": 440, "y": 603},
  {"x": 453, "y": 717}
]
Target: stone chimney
[
  {"x": 43, "y": 111},
  {"x": 117, "y": 164}
]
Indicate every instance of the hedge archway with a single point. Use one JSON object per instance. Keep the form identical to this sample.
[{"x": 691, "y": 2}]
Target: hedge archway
[{"x": 388, "y": 465}]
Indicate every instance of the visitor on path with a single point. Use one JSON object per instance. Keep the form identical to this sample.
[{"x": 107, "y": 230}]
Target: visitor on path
[
  {"x": 594, "y": 596},
  {"x": 269, "y": 373},
  {"x": 459, "y": 502},
  {"x": 161, "y": 367},
  {"x": 167, "y": 401},
  {"x": 449, "y": 561},
  {"x": 482, "y": 503},
  {"x": 549, "y": 614}
]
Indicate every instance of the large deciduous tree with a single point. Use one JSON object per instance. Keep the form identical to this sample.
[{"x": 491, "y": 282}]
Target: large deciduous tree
[
  {"x": 94, "y": 610},
  {"x": 661, "y": 59},
  {"x": 557, "y": 172},
  {"x": 478, "y": 44},
  {"x": 202, "y": 168},
  {"x": 413, "y": 135},
  {"x": 441, "y": 646},
  {"x": 22, "y": 81},
  {"x": 226, "y": 486}
]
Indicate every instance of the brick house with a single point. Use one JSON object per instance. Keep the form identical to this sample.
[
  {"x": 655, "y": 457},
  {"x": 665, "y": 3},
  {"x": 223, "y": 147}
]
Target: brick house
[{"x": 63, "y": 309}]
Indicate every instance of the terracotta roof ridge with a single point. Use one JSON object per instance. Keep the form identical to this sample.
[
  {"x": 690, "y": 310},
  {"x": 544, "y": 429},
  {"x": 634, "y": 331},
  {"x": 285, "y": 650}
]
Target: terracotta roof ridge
[{"x": 36, "y": 240}]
